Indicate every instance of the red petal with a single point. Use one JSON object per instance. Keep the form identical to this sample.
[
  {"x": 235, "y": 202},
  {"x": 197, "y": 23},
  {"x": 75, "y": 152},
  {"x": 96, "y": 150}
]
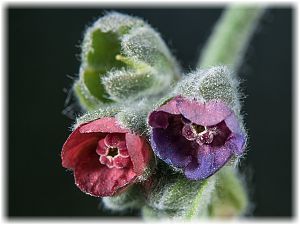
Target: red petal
[
  {"x": 75, "y": 145},
  {"x": 105, "y": 125},
  {"x": 102, "y": 149},
  {"x": 115, "y": 140},
  {"x": 98, "y": 180},
  {"x": 139, "y": 152},
  {"x": 121, "y": 162},
  {"x": 124, "y": 152},
  {"x": 106, "y": 160}
]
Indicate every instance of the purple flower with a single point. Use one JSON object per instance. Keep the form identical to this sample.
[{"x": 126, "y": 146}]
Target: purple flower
[{"x": 199, "y": 138}]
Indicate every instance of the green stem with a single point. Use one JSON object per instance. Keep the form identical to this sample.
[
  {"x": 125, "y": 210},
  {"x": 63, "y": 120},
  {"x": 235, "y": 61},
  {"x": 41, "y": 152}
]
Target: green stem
[
  {"x": 230, "y": 36},
  {"x": 227, "y": 45},
  {"x": 230, "y": 197},
  {"x": 194, "y": 207}
]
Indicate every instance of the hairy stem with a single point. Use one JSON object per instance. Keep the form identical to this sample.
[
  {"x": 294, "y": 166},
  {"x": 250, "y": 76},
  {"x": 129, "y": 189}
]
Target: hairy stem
[
  {"x": 227, "y": 45},
  {"x": 230, "y": 36}
]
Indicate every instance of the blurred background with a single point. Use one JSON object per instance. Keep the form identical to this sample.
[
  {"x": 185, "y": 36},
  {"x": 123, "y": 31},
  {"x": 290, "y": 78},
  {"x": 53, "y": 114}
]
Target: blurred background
[{"x": 43, "y": 59}]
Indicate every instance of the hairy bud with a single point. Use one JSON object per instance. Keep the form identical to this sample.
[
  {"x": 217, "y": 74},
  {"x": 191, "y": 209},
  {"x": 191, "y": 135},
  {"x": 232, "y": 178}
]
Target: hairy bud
[{"x": 123, "y": 58}]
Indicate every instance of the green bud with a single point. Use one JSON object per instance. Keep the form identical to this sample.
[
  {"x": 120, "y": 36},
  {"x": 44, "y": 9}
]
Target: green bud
[{"x": 122, "y": 58}]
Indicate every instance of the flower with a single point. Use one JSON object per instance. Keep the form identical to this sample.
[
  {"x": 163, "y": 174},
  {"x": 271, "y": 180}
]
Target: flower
[
  {"x": 105, "y": 157},
  {"x": 199, "y": 138}
]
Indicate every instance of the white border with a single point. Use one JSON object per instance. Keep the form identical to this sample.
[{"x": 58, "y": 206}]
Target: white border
[{"x": 154, "y": 3}]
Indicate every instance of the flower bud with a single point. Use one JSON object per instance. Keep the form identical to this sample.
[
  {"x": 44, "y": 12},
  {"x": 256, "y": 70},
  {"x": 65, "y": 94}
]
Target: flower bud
[{"x": 122, "y": 58}]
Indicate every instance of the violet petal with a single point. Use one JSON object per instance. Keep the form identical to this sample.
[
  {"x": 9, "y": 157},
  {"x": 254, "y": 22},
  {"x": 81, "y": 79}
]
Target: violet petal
[
  {"x": 158, "y": 119},
  {"x": 170, "y": 145},
  {"x": 205, "y": 114},
  {"x": 171, "y": 106},
  {"x": 210, "y": 160}
]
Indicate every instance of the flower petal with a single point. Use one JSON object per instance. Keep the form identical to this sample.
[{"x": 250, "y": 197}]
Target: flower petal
[
  {"x": 75, "y": 145},
  {"x": 238, "y": 137},
  {"x": 210, "y": 160},
  {"x": 233, "y": 124},
  {"x": 105, "y": 125},
  {"x": 107, "y": 161},
  {"x": 238, "y": 143},
  {"x": 159, "y": 119},
  {"x": 221, "y": 134},
  {"x": 98, "y": 180},
  {"x": 205, "y": 114},
  {"x": 170, "y": 145},
  {"x": 102, "y": 148},
  {"x": 139, "y": 151},
  {"x": 115, "y": 140},
  {"x": 171, "y": 106},
  {"x": 121, "y": 162},
  {"x": 124, "y": 152}
]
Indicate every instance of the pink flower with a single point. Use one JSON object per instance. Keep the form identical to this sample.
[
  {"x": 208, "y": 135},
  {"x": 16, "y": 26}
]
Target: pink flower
[{"x": 105, "y": 157}]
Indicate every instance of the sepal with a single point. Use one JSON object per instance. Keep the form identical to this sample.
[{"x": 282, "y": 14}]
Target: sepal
[
  {"x": 215, "y": 83},
  {"x": 130, "y": 199}
]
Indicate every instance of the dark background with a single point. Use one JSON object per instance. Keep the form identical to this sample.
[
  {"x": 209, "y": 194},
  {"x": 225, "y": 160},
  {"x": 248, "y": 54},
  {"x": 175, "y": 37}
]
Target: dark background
[{"x": 42, "y": 56}]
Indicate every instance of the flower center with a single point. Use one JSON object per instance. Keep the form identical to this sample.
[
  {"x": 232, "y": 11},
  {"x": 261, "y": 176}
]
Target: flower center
[
  {"x": 113, "y": 151},
  {"x": 214, "y": 135},
  {"x": 197, "y": 129}
]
